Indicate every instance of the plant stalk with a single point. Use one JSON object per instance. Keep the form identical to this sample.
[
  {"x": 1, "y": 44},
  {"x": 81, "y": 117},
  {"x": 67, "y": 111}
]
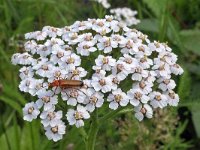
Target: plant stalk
[{"x": 94, "y": 128}]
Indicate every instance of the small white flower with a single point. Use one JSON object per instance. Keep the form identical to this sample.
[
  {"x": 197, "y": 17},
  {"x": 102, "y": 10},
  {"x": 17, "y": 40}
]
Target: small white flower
[
  {"x": 57, "y": 73},
  {"x": 156, "y": 46},
  {"x": 37, "y": 86},
  {"x": 117, "y": 98},
  {"x": 87, "y": 38},
  {"x": 143, "y": 110},
  {"x": 161, "y": 68},
  {"x": 71, "y": 61},
  {"x": 57, "y": 53},
  {"x": 95, "y": 99},
  {"x": 144, "y": 86},
  {"x": 106, "y": 44},
  {"x": 85, "y": 48},
  {"x": 125, "y": 15},
  {"x": 129, "y": 60},
  {"x": 56, "y": 131},
  {"x": 101, "y": 82},
  {"x": 114, "y": 24},
  {"x": 136, "y": 97},
  {"x": 23, "y": 59},
  {"x": 53, "y": 41},
  {"x": 105, "y": 62},
  {"x": 172, "y": 98},
  {"x": 143, "y": 50},
  {"x": 73, "y": 96},
  {"x": 30, "y": 35},
  {"x": 40, "y": 35},
  {"x": 79, "y": 26},
  {"x": 104, "y": 3},
  {"x": 138, "y": 73},
  {"x": 50, "y": 117},
  {"x": 77, "y": 73},
  {"x": 52, "y": 31},
  {"x": 46, "y": 99},
  {"x": 31, "y": 46},
  {"x": 30, "y": 111},
  {"x": 15, "y": 58},
  {"x": 72, "y": 38},
  {"x": 24, "y": 85},
  {"x": 128, "y": 46},
  {"x": 145, "y": 62},
  {"x": 176, "y": 69},
  {"x": 101, "y": 26},
  {"x": 158, "y": 100},
  {"x": 26, "y": 72},
  {"x": 151, "y": 77},
  {"x": 115, "y": 81},
  {"x": 77, "y": 116},
  {"x": 168, "y": 57},
  {"x": 166, "y": 84},
  {"x": 43, "y": 50},
  {"x": 121, "y": 70},
  {"x": 43, "y": 68}
]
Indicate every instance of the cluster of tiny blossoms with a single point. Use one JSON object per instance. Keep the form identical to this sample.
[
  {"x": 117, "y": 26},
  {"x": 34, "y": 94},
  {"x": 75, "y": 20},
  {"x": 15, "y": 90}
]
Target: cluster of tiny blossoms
[
  {"x": 125, "y": 15},
  {"x": 105, "y": 55},
  {"x": 104, "y": 3}
]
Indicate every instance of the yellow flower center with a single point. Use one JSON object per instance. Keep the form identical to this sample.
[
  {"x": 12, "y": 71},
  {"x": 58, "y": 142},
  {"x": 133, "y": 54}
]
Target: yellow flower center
[
  {"x": 71, "y": 60},
  {"x": 118, "y": 98},
  {"x": 143, "y": 110},
  {"x": 102, "y": 82},
  {"x": 54, "y": 129},
  {"x": 93, "y": 99},
  {"x": 78, "y": 115},
  {"x": 137, "y": 95},
  {"x": 46, "y": 99},
  {"x": 158, "y": 97},
  {"x": 30, "y": 110}
]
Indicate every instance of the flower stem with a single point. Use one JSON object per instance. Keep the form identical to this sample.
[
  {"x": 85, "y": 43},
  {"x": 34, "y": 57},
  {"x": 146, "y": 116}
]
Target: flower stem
[
  {"x": 93, "y": 132},
  {"x": 94, "y": 128},
  {"x": 114, "y": 113}
]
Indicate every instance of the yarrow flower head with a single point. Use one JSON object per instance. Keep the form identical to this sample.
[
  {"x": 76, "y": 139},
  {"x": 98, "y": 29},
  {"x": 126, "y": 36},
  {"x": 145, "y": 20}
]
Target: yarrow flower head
[
  {"x": 104, "y": 3},
  {"x": 125, "y": 15},
  {"x": 93, "y": 64}
]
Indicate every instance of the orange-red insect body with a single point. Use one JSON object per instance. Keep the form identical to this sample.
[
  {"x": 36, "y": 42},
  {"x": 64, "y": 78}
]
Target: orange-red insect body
[{"x": 66, "y": 83}]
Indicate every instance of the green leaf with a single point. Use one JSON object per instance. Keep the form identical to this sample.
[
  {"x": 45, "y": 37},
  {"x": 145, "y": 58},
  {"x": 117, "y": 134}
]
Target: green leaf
[
  {"x": 156, "y": 6},
  {"x": 193, "y": 68},
  {"x": 173, "y": 34},
  {"x": 6, "y": 139},
  {"x": 11, "y": 93},
  {"x": 150, "y": 25},
  {"x": 196, "y": 119},
  {"x": 184, "y": 86},
  {"x": 191, "y": 40},
  {"x": 12, "y": 103}
]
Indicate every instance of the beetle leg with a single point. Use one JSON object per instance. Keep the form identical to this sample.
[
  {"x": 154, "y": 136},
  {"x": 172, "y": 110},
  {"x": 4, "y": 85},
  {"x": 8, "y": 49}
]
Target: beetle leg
[{"x": 81, "y": 91}]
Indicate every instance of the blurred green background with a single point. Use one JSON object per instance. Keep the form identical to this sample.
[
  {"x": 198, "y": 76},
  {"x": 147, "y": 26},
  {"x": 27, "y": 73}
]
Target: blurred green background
[{"x": 174, "y": 21}]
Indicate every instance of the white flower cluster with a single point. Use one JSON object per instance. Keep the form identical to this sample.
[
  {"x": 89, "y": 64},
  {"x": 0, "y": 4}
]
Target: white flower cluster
[
  {"x": 125, "y": 15},
  {"x": 108, "y": 58},
  {"x": 104, "y": 3}
]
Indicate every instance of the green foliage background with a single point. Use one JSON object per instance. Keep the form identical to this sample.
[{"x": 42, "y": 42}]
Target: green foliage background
[{"x": 174, "y": 21}]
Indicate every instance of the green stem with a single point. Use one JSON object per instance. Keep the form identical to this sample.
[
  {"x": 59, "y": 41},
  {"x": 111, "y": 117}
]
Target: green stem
[
  {"x": 115, "y": 112},
  {"x": 94, "y": 128},
  {"x": 83, "y": 134},
  {"x": 6, "y": 135}
]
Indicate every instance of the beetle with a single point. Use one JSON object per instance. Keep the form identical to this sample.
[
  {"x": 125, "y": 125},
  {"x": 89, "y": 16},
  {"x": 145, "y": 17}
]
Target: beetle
[{"x": 63, "y": 83}]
